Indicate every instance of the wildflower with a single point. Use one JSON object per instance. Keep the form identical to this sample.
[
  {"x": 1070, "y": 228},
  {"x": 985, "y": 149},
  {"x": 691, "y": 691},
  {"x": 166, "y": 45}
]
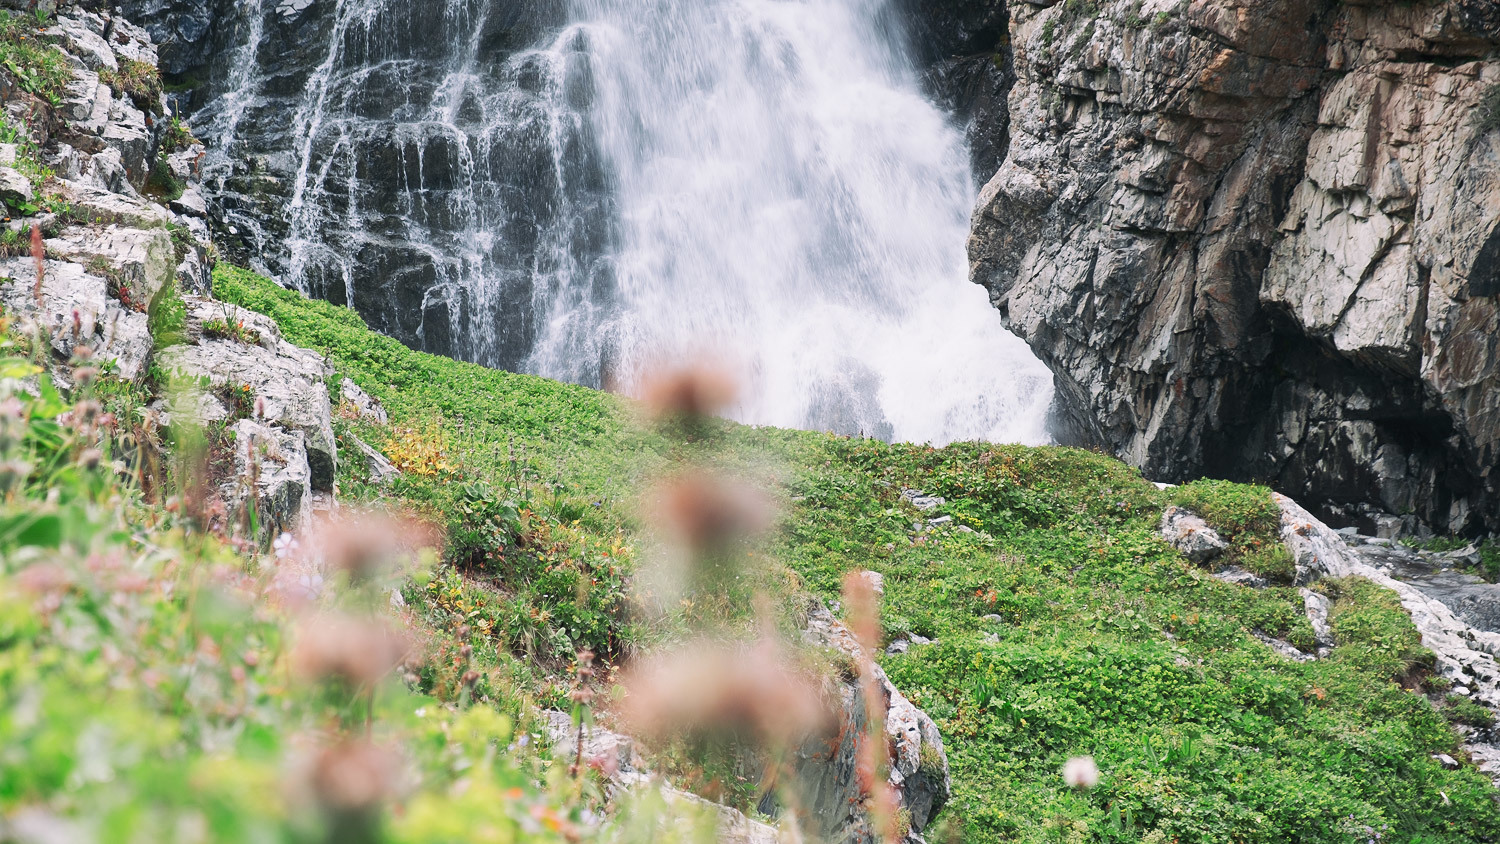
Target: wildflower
[
  {"x": 346, "y": 649},
  {"x": 1081, "y": 773},
  {"x": 709, "y": 688},
  {"x": 284, "y": 546},
  {"x": 708, "y": 514},
  {"x": 90, "y": 458},
  {"x": 353, "y": 776},
  {"x": 44, "y": 579},
  {"x": 85, "y": 375},
  {"x": 689, "y": 392}
]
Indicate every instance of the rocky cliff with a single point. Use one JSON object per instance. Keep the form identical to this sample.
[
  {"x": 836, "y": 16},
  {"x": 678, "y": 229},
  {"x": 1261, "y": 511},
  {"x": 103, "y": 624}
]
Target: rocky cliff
[{"x": 1261, "y": 239}]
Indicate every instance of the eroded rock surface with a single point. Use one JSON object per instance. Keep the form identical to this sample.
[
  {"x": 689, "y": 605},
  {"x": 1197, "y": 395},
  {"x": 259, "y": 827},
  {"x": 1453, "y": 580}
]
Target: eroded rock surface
[
  {"x": 286, "y": 384},
  {"x": 1261, "y": 239}
]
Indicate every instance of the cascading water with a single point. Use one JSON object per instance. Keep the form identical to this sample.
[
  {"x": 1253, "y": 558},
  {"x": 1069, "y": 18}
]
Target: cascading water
[{"x": 759, "y": 181}]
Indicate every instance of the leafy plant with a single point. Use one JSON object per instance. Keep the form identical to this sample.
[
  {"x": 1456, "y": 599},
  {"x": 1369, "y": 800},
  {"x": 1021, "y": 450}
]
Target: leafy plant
[
  {"x": 38, "y": 68},
  {"x": 1247, "y": 517},
  {"x": 224, "y": 328},
  {"x": 138, "y": 80}
]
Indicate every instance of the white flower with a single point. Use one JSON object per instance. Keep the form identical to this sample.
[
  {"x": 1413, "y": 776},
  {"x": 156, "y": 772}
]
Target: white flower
[
  {"x": 284, "y": 546},
  {"x": 311, "y": 585},
  {"x": 1081, "y": 772}
]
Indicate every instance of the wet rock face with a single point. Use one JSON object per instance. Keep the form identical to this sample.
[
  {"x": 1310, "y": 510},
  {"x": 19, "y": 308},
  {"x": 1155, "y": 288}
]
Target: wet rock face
[
  {"x": 418, "y": 144},
  {"x": 964, "y": 47},
  {"x": 1253, "y": 239}
]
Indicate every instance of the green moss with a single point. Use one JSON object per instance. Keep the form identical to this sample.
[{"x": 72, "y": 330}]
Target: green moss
[{"x": 1461, "y": 710}]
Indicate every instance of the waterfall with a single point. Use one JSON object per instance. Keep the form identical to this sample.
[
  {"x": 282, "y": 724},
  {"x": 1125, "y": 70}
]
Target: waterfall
[{"x": 760, "y": 183}]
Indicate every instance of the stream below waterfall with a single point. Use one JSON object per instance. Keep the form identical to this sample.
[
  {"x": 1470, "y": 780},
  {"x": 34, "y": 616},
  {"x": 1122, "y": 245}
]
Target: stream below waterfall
[{"x": 757, "y": 183}]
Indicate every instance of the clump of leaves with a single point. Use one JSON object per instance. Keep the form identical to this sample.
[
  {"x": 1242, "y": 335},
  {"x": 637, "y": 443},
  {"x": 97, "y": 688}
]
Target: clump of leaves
[
  {"x": 1372, "y": 629},
  {"x": 419, "y": 451},
  {"x": 167, "y": 318},
  {"x": 221, "y": 328},
  {"x": 238, "y": 398},
  {"x": 1247, "y": 517},
  {"x": 38, "y": 68},
  {"x": 162, "y": 183},
  {"x": 1461, "y": 710},
  {"x": 138, "y": 80},
  {"x": 178, "y": 135}
]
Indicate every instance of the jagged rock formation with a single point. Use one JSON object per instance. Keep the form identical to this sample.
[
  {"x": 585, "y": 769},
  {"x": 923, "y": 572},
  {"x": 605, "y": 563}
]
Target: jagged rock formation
[{"x": 1258, "y": 239}]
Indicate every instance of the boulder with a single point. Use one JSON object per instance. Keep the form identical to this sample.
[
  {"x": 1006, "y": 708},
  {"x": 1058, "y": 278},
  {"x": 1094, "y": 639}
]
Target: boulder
[
  {"x": 273, "y": 462},
  {"x": 15, "y": 188},
  {"x": 287, "y": 383},
  {"x": 1187, "y": 532}
]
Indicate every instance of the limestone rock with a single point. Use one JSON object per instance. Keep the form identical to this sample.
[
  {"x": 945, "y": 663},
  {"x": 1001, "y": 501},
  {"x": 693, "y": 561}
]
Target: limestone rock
[
  {"x": 76, "y": 309},
  {"x": 287, "y": 383},
  {"x": 101, "y": 206},
  {"x": 14, "y": 187},
  {"x": 274, "y": 462},
  {"x": 1261, "y": 250},
  {"x": 192, "y": 203},
  {"x": 363, "y": 403},
  {"x": 1187, "y": 532},
  {"x": 86, "y": 44},
  {"x": 144, "y": 260},
  {"x": 615, "y": 754},
  {"x": 381, "y": 469},
  {"x": 826, "y": 773},
  {"x": 1464, "y": 655},
  {"x": 1316, "y": 607}
]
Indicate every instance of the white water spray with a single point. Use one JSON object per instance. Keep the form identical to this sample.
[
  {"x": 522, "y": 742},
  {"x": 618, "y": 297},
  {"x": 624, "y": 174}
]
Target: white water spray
[{"x": 789, "y": 201}]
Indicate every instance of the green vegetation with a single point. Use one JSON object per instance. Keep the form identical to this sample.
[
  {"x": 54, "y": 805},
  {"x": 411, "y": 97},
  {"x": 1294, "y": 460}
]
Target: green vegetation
[
  {"x": 38, "y": 68},
  {"x": 1248, "y": 519},
  {"x": 1062, "y": 625},
  {"x": 138, "y": 80},
  {"x": 1461, "y": 710}
]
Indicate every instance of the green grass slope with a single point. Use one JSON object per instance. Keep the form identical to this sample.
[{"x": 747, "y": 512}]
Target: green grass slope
[{"x": 1061, "y": 624}]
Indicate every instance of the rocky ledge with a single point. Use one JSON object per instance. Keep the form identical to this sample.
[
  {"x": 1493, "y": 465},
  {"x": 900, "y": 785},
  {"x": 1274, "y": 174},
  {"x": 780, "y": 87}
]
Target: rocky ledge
[{"x": 1260, "y": 239}]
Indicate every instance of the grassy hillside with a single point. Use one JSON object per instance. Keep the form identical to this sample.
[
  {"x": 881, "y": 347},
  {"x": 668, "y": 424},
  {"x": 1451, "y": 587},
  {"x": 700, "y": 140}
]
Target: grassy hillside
[{"x": 154, "y": 690}]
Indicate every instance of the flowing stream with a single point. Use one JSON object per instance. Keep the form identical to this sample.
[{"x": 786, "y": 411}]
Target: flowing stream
[{"x": 757, "y": 183}]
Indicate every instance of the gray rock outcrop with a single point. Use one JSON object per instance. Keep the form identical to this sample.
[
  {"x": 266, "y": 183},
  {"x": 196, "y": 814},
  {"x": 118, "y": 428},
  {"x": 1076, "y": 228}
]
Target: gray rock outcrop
[
  {"x": 624, "y": 770},
  {"x": 286, "y": 384},
  {"x": 1189, "y": 533},
  {"x": 1260, "y": 239},
  {"x": 825, "y": 772},
  {"x": 76, "y": 309},
  {"x": 271, "y": 469}
]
